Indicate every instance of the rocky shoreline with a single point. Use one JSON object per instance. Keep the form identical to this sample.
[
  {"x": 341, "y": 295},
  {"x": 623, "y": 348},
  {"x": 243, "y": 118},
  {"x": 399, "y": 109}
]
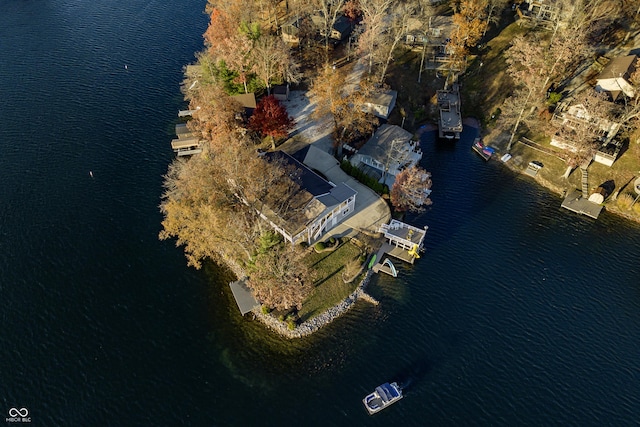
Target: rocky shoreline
[{"x": 312, "y": 325}]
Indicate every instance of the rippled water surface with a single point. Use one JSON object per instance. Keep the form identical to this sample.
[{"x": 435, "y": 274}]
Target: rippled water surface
[{"x": 519, "y": 313}]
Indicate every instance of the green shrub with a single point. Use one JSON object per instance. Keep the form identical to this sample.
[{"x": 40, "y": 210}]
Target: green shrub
[
  {"x": 265, "y": 309},
  {"x": 281, "y": 317},
  {"x": 332, "y": 240},
  {"x": 554, "y": 98},
  {"x": 320, "y": 246},
  {"x": 291, "y": 325}
]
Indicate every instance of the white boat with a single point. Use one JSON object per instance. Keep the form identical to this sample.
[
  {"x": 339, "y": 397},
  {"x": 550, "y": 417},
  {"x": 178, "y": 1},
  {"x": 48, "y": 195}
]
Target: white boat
[{"x": 383, "y": 396}]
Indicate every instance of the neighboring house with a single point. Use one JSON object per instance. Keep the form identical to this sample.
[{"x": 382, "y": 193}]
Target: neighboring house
[
  {"x": 291, "y": 32},
  {"x": 319, "y": 205},
  {"x": 381, "y": 103},
  {"x": 601, "y": 130},
  {"x": 340, "y": 30},
  {"x": 614, "y": 78},
  {"x": 388, "y": 152},
  {"x": 248, "y": 101},
  {"x": 434, "y": 32},
  {"x": 539, "y": 11}
]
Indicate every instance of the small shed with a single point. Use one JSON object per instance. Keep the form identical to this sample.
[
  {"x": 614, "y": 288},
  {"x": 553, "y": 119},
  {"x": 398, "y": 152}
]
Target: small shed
[
  {"x": 281, "y": 92},
  {"x": 382, "y": 103}
]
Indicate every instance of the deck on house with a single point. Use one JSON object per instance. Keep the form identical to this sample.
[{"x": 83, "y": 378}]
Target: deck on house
[{"x": 576, "y": 203}]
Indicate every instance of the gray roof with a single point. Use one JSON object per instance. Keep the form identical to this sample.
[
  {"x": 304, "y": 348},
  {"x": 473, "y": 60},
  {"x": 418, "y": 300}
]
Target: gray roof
[
  {"x": 309, "y": 180},
  {"x": 380, "y": 144},
  {"x": 244, "y": 297},
  {"x": 618, "y": 67},
  {"x": 338, "y": 194}
]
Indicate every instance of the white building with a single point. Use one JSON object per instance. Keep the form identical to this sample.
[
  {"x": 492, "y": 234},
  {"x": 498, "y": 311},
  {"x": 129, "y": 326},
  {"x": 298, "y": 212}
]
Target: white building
[
  {"x": 614, "y": 78},
  {"x": 389, "y": 151},
  {"x": 322, "y": 205}
]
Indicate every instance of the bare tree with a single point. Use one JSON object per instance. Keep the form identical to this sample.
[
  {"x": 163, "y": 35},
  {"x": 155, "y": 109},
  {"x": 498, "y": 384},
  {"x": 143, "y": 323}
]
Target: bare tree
[
  {"x": 272, "y": 59},
  {"x": 411, "y": 190},
  {"x": 326, "y": 15},
  {"x": 374, "y": 14},
  {"x": 533, "y": 63},
  {"x": 280, "y": 278},
  {"x": 397, "y": 25},
  {"x": 583, "y": 130}
]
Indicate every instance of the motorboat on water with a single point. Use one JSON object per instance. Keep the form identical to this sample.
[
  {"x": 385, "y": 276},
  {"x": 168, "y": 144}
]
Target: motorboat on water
[{"x": 383, "y": 396}]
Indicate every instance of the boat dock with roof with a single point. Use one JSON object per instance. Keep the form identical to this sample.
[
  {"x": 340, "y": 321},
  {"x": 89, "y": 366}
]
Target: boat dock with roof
[
  {"x": 187, "y": 143},
  {"x": 450, "y": 121},
  {"x": 404, "y": 242}
]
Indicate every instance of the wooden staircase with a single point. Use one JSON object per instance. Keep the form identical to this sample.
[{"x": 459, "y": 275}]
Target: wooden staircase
[{"x": 585, "y": 181}]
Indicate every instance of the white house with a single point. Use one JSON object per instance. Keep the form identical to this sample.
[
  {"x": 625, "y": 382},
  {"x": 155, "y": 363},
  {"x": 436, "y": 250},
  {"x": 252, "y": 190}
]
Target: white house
[
  {"x": 389, "y": 151},
  {"x": 321, "y": 205},
  {"x": 614, "y": 78},
  {"x": 603, "y": 130}
]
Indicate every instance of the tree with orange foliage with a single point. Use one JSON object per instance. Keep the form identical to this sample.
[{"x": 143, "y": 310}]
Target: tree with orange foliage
[
  {"x": 221, "y": 27},
  {"x": 469, "y": 24}
]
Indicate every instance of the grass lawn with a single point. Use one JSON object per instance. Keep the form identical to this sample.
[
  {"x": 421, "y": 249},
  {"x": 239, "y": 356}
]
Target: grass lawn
[{"x": 329, "y": 287}]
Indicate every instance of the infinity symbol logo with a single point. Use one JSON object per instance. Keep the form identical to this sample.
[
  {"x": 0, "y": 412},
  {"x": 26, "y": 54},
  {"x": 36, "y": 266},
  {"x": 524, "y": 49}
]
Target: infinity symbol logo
[{"x": 15, "y": 412}]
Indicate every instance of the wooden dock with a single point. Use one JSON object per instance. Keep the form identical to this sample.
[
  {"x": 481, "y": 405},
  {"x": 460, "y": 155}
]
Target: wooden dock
[
  {"x": 404, "y": 243},
  {"x": 575, "y": 202}
]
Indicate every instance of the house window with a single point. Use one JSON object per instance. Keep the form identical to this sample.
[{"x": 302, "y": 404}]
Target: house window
[{"x": 346, "y": 211}]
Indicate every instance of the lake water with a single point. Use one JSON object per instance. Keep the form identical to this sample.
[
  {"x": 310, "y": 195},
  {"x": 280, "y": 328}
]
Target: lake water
[{"x": 519, "y": 313}]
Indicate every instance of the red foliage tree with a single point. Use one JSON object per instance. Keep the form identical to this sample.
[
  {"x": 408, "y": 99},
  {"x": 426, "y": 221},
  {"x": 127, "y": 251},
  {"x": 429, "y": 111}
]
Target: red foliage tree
[{"x": 271, "y": 118}]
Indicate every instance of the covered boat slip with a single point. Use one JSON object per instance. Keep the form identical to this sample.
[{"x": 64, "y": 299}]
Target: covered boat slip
[
  {"x": 186, "y": 146},
  {"x": 183, "y": 132}
]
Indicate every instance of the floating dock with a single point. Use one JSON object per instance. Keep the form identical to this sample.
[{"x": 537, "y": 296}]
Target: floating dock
[
  {"x": 484, "y": 151},
  {"x": 575, "y": 202},
  {"x": 187, "y": 113}
]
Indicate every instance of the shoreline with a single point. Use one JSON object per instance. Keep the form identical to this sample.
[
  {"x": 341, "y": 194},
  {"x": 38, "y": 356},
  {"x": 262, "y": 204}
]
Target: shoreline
[{"x": 315, "y": 323}]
